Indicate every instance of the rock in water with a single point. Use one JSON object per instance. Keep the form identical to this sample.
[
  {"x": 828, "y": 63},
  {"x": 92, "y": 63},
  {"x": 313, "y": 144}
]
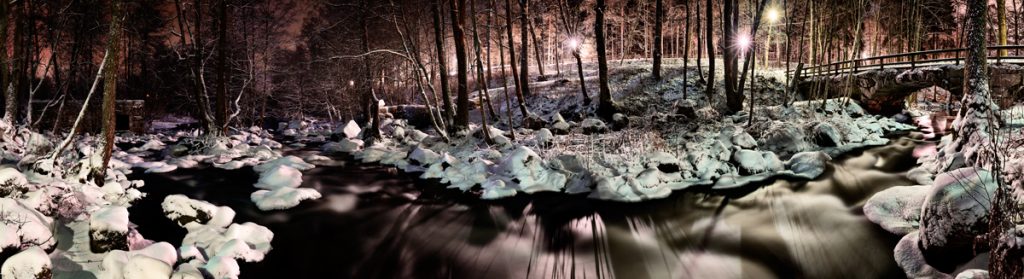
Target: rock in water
[
  {"x": 756, "y": 162},
  {"x": 783, "y": 138},
  {"x": 954, "y": 212},
  {"x": 808, "y": 165},
  {"x": 909, "y": 257},
  {"x": 827, "y": 135},
  {"x": 108, "y": 229},
  {"x": 897, "y": 209}
]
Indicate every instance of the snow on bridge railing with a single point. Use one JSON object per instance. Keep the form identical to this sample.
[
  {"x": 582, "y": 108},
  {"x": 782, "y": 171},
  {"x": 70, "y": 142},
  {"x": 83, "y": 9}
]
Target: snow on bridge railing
[{"x": 911, "y": 60}]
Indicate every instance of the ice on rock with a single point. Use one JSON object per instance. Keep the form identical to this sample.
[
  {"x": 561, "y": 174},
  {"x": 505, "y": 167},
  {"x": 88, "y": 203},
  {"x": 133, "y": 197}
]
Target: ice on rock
[
  {"x": 956, "y": 209},
  {"x": 282, "y": 198},
  {"x": 909, "y": 257},
  {"x": 31, "y": 263},
  {"x": 808, "y": 165},
  {"x": 756, "y": 162},
  {"x": 527, "y": 169},
  {"x": 897, "y": 209},
  {"x": 281, "y": 176}
]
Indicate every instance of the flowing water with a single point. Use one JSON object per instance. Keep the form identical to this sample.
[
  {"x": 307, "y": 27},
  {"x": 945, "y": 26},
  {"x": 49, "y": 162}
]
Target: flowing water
[{"x": 376, "y": 222}]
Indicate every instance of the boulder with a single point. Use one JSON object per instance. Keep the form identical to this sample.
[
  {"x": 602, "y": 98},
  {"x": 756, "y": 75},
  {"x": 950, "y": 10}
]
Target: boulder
[
  {"x": 32, "y": 263},
  {"x": 909, "y": 257},
  {"x": 544, "y": 138},
  {"x": 593, "y": 126},
  {"x": 687, "y": 108},
  {"x": 619, "y": 122},
  {"x": 751, "y": 162},
  {"x": 808, "y": 165},
  {"x": 108, "y": 229},
  {"x": 826, "y": 135},
  {"x": 954, "y": 213},
  {"x": 897, "y": 209},
  {"x": 783, "y": 138}
]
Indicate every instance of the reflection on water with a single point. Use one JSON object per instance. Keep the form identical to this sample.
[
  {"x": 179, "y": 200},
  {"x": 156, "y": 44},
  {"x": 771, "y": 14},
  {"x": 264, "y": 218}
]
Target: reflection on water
[{"x": 375, "y": 222}]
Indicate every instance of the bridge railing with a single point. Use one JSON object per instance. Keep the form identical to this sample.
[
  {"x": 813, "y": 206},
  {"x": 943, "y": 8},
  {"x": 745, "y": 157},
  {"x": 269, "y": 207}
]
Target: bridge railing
[{"x": 912, "y": 60}]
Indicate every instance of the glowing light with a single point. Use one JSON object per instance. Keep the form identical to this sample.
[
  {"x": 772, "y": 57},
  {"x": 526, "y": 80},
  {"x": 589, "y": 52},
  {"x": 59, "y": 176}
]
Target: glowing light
[
  {"x": 773, "y": 15},
  {"x": 743, "y": 42},
  {"x": 351, "y": 83},
  {"x": 573, "y": 43}
]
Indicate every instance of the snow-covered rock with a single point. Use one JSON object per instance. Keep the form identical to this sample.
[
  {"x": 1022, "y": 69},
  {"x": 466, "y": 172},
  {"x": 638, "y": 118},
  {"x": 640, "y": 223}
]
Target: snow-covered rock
[
  {"x": 647, "y": 186},
  {"x": 291, "y": 161},
  {"x": 527, "y": 169},
  {"x": 145, "y": 267},
  {"x": 544, "y": 137},
  {"x": 495, "y": 189},
  {"x": 619, "y": 121},
  {"x": 108, "y": 229},
  {"x": 351, "y": 130},
  {"x": 973, "y": 274},
  {"x": 826, "y": 135},
  {"x": 559, "y": 126},
  {"x": 783, "y": 138},
  {"x": 956, "y": 209},
  {"x": 31, "y": 263},
  {"x": 593, "y": 126},
  {"x": 756, "y": 162},
  {"x": 282, "y": 198},
  {"x": 897, "y": 209},
  {"x": 744, "y": 140},
  {"x": 12, "y": 183},
  {"x": 281, "y": 176},
  {"x": 187, "y": 212}
]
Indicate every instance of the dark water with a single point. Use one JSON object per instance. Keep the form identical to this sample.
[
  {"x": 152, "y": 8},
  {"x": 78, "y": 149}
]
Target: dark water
[{"x": 376, "y": 222}]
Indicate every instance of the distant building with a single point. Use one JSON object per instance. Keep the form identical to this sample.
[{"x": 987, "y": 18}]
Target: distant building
[{"x": 130, "y": 116}]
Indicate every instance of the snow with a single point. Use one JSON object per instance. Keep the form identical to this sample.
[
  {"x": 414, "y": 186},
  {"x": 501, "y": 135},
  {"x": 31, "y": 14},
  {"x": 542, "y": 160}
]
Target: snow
[
  {"x": 188, "y": 212},
  {"x": 23, "y": 226},
  {"x": 755, "y": 162},
  {"x": 351, "y": 130},
  {"x": 527, "y": 167},
  {"x": 223, "y": 268},
  {"x": 973, "y": 274},
  {"x": 30, "y": 263},
  {"x": 282, "y": 198},
  {"x": 281, "y": 176},
  {"x": 144, "y": 267},
  {"x": 109, "y": 219}
]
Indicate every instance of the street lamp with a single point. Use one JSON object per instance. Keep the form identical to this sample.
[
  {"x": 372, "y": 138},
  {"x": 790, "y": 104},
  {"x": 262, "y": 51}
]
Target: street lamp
[{"x": 573, "y": 44}]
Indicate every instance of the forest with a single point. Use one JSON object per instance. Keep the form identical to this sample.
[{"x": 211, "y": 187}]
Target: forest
[{"x": 512, "y": 138}]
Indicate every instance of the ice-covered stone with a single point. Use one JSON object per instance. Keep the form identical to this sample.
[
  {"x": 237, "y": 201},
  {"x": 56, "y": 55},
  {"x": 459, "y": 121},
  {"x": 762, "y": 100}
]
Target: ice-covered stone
[
  {"x": 351, "y": 130},
  {"x": 282, "y": 198},
  {"x": 527, "y": 169},
  {"x": 108, "y": 229}
]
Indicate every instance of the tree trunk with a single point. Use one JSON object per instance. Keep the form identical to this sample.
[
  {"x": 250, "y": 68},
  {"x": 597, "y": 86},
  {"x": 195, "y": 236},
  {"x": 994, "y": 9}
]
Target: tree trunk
[
  {"x": 1001, "y": 14},
  {"x": 222, "y": 69},
  {"x": 658, "y": 15},
  {"x": 734, "y": 101},
  {"x": 709, "y": 39},
  {"x": 512, "y": 59},
  {"x": 109, "y": 92},
  {"x": 458, "y": 12},
  {"x": 370, "y": 102},
  {"x": 686, "y": 50},
  {"x": 442, "y": 62},
  {"x": 524, "y": 40},
  {"x": 9, "y": 97},
  {"x": 606, "y": 106},
  {"x": 536, "y": 49}
]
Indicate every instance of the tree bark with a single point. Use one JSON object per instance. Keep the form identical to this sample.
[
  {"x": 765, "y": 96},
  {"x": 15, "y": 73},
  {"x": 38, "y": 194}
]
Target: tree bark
[
  {"x": 512, "y": 59},
  {"x": 524, "y": 40},
  {"x": 659, "y": 12},
  {"x": 709, "y": 39},
  {"x": 370, "y": 102},
  {"x": 9, "y": 97},
  {"x": 109, "y": 92},
  {"x": 442, "y": 62},
  {"x": 222, "y": 69},
  {"x": 458, "y": 11}
]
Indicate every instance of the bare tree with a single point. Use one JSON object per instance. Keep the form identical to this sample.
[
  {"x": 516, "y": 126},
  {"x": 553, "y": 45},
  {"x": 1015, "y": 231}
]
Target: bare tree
[
  {"x": 458, "y": 12},
  {"x": 659, "y": 13},
  {"x": 572, "y": 18},
  {"x": 606, "y": 106},
  {"x": 442, "y": 61}
]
